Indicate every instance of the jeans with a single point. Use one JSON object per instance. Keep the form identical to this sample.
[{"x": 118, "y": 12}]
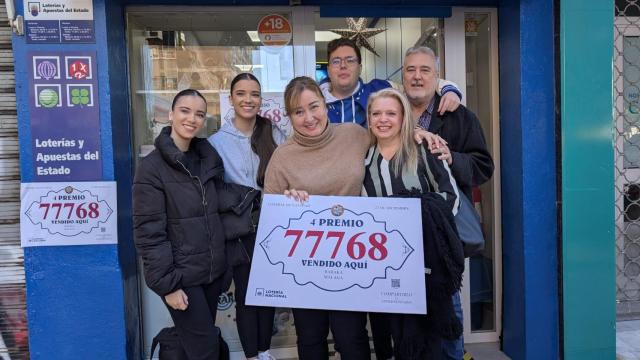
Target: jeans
[{"x": 454, "y": 349}]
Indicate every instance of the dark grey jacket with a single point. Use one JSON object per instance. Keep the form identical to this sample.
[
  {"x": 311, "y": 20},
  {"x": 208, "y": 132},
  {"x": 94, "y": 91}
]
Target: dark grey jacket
[{"x": 472, "y": 163}]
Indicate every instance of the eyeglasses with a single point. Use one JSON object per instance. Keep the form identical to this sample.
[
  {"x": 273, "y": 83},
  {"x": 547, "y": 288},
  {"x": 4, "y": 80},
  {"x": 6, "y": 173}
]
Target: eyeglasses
[{"x": 349, "y": 61}]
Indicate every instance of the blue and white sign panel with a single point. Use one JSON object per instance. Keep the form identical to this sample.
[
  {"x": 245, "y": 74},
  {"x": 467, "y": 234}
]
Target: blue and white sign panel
[
  {"x": 339, "y": 253},
  {"x": 74, "y": 213},
  {"x": 65, "y": 116},
  {"x": 59, "y": 21}
]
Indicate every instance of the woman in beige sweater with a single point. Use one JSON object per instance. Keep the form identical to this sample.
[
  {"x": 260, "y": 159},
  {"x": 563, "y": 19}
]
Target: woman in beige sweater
[{"x": 322, "y": 159}]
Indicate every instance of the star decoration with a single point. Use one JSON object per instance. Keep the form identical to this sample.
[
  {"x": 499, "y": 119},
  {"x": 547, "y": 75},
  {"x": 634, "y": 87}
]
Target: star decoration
[{"x": 359, "y": 33}]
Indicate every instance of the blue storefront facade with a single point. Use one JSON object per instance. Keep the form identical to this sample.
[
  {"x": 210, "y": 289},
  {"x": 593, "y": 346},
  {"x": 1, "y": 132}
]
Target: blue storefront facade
[{"x": 558, "y": 292}]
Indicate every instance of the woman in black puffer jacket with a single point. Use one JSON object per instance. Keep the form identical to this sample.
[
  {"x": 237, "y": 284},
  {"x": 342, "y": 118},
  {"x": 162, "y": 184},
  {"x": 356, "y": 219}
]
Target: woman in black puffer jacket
[{"x": 177, "y": 226}]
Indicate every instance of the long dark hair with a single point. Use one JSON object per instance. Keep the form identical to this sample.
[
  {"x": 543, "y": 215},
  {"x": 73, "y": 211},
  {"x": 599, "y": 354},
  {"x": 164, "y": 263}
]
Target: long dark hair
[
  {"x": 188, "y": 92},
  {"x": 262, "y": 142}
]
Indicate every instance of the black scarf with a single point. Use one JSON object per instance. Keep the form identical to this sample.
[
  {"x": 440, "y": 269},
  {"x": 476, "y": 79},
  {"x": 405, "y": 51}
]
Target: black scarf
[{"x": 444, "y": 256}]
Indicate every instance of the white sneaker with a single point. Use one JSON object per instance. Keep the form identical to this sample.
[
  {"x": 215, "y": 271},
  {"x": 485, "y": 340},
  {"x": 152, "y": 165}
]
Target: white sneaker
[{"x": 266, "y": 355}]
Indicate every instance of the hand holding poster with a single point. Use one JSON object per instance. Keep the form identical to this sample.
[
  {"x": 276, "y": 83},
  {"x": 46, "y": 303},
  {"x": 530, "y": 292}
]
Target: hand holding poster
[{"x": 342, "y": 253}]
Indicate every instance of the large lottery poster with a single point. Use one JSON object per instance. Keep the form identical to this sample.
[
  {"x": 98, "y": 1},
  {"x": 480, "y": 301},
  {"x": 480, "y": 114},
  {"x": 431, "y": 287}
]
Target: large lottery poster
[{"x": 340, "y": 253}]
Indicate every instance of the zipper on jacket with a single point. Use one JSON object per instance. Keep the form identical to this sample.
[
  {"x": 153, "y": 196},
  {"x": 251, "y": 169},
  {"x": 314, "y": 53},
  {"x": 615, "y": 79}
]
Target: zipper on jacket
[
  {"x": 206, "y": 218},
  {"x": 244, "y": 249}
]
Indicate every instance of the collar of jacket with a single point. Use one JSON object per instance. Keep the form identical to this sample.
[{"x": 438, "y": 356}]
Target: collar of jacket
[
  {"x": 436, "y": 118},
  {"x": 325, "y": 87},
  {"x": 210, "y": 162}
]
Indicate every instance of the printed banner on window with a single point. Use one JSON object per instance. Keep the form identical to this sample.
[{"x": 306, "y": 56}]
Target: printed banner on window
[
  {"x": 272, "y": 108},
  {"x": 340, "y": 253},
  {"x": 74, "y": 213}
]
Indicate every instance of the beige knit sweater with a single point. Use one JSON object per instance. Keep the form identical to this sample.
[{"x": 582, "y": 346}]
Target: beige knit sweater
[{"x": 328, "y": 164}]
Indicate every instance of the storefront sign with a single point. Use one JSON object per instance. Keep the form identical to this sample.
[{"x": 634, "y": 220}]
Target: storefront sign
[
  {"x": 332, "y": 252},
  {"x": 272, "y": 108},
  {"x": 274, "y": 30},
  {"x": 75, "y": 213},
  {"x": 65, "y": 117},
  {"x": 59, "y": 21}
]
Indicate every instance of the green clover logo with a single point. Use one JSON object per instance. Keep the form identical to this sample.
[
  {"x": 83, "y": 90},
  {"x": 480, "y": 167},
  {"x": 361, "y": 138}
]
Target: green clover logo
[{"x": 79, "y": 96}]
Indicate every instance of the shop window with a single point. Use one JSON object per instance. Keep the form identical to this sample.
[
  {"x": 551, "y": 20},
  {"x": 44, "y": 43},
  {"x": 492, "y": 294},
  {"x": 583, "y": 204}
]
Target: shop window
[
  {"x": 169, "y": 52},
  {"x": 390, "y": 45}
]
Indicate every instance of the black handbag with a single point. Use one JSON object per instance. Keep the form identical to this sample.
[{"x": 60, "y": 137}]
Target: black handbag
[
  {"x": 467, "y": 221},
  {"x": 171, "y": 347},
  {"x": 239, "y": 220},
  {"x": 469, "y": 229},
  {"x": 237, "y": 253}
]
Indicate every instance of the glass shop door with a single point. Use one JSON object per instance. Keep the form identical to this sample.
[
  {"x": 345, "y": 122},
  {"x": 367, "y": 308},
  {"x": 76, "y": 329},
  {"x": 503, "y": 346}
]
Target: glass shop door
[{"x": 173, "y": 48}]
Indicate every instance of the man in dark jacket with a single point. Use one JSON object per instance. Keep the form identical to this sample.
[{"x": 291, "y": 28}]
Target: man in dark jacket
[{"x": 466, "y": 149}]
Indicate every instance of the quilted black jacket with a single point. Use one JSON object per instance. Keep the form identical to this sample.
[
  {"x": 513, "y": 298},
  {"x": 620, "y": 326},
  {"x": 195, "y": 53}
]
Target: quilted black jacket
[{"x": 177, "y": 228}]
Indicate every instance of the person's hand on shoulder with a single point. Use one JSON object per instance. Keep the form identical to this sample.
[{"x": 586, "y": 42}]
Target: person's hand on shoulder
[
  {"x": 433, "y": 141},
  {"x": 449, "y": 102}
]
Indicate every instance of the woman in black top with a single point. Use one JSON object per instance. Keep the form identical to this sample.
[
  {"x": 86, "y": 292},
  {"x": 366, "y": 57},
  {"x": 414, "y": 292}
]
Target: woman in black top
[
  {"x": 177, "y": 227},
  {"x": 394, "y": 166},
  {"x": 395, "y": 163}
]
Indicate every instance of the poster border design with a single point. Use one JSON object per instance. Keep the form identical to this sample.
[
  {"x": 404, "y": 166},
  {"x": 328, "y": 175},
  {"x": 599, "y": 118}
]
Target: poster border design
[{"x": 264, "y": 247}]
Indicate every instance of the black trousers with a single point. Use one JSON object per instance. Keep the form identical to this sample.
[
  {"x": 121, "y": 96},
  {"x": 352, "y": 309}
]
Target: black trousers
[
  {"x": 348, "y": 329},
  {"x": 255, "y": 323},
  {"x": 196, "y": 325},
  {"x": 381, "y": 334}
]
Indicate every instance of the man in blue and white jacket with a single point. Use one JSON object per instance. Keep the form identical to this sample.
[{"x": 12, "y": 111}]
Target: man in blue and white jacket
[{"x": 346, "y": 94}]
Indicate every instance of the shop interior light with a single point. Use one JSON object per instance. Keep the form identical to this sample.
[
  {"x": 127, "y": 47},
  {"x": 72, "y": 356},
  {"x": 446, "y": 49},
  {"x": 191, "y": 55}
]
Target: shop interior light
[
  {"x": 320, "y": 36},
  {"x": 326, "y": 36},
  {"x": 254, "y": 36},
  {"x": 247, "y": 68}
]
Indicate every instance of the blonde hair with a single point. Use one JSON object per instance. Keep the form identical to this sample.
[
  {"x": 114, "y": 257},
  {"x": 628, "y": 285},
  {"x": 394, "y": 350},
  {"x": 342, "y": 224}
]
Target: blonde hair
[
  {"x": 407, "y": 156},
  {"x": 295, "y": 87}
]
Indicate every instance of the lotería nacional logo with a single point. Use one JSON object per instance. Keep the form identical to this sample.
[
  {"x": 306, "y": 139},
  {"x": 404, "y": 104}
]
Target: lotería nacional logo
[
  {"x": 47, "y": 70},
  {"x": 48, "y": 98}
]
